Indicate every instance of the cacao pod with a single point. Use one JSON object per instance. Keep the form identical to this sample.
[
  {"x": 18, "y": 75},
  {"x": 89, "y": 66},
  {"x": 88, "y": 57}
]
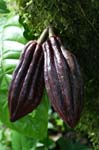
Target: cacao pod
[
  {"x": 76, "y": 78},
  {"x": 27, "y": 83},
  {"x": 63, "y": 81}
]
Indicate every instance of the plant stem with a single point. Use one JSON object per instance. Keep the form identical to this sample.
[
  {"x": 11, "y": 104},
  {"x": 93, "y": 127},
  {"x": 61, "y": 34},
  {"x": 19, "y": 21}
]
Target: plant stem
[
  {"x": 43, "y": 36},
  {"x": 51, "y": 32}
]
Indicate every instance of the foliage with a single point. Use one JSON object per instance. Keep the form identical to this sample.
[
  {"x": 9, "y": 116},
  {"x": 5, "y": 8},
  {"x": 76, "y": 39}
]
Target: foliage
[
  {"x": 5, "y": 140},
  {"x": 3, "y": 7},
  {"x": 70, "y": 145},
  {"x": 21, "y": 142}
]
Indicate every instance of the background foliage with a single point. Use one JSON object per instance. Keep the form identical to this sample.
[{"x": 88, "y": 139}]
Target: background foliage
[{"x": 77, "y": 22}]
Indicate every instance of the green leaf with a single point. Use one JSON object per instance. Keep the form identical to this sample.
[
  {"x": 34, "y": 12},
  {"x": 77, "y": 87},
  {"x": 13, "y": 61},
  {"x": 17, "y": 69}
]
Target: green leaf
[
  {"x": 12, "y": 42},
  {"x": 3, "y": 147},
  {"x": 3, "y": 7},
  {"x": 47, "y": 144},
  {"x": 70, "y": 145},
  {"x": 20, "y": 142}
]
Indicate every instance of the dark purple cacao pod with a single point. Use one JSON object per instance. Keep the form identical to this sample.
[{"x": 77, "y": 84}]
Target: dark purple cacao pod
[
  {"x": 27, "y": 83},
  {"x": 63, "y": 81}
]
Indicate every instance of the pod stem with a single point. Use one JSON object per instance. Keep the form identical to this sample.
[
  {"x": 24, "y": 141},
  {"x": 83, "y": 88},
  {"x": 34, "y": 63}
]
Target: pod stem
[
  {"x": 51, "y": 32},
  {"x": 43, "y": 36}
]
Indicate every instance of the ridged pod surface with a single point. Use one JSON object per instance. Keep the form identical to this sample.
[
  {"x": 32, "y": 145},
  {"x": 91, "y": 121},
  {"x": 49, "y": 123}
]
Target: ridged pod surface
[
  {"x": 76, "y": 78},
  {"x": 27, "y": 83},
  {"x": 63, "y": 81}
]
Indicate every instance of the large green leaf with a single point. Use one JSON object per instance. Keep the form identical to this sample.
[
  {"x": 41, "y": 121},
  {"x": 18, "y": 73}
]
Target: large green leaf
[
  {"x": 3, "y": 7},
  {"x": 20, "y": 142},
  {"x": 11, "y": 45}
]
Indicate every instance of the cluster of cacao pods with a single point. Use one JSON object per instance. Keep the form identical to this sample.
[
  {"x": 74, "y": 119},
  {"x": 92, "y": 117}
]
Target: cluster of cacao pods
[{"x": 46, "y": 63}]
